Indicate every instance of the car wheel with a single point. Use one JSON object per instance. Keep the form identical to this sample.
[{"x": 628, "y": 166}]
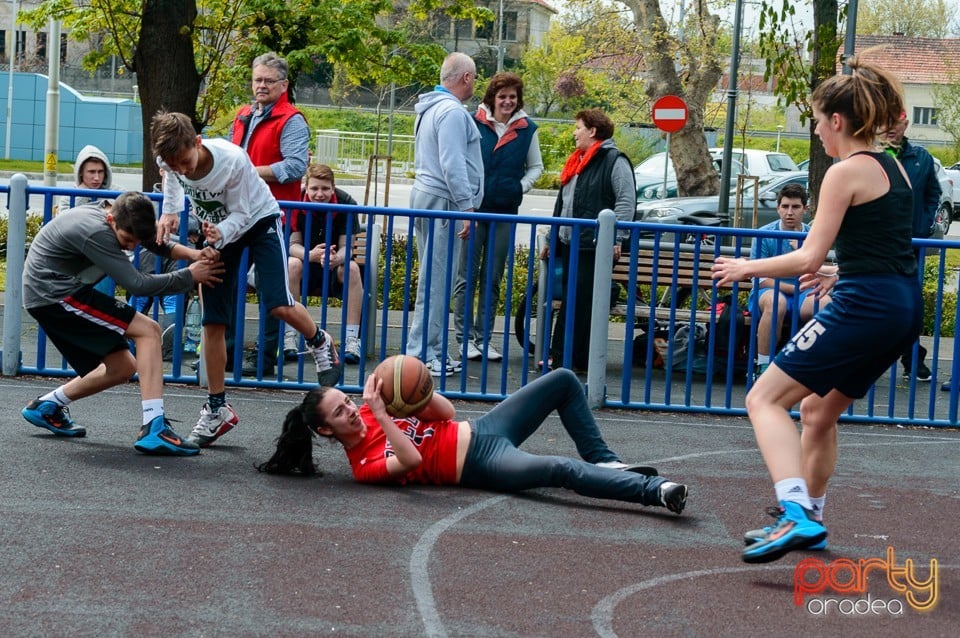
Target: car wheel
[{"x": 941, "y": 223}]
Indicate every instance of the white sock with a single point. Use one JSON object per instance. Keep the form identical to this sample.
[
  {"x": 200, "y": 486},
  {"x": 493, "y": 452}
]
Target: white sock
[
  {"x": 817, "y": 504},
  {"x": 58, "y": 397},
  {"x": 152, "y": 408},
  {"x": 353, "y": 330},
  {"x": 762, "y": 359},
  {"x": 794, "y": 490}
]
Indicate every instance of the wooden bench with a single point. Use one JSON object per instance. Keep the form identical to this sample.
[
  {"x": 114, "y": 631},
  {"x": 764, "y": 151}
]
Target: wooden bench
[{"x": 662, "y": 271}]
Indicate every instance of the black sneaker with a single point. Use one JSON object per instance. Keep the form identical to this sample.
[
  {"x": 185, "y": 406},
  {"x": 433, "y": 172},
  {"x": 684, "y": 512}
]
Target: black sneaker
[
  {"x": 673, "y": 496},
  {"x": 923, "y": 372},
  {"x": 250, "y": 365}
]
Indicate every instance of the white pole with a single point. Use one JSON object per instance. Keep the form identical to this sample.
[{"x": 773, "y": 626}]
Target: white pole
[
  {"x": 12, "y": 56},
  {"x": 500, "y": 39},
  {"x": 53, "y": 105},
  {"x": 666, "y": 168}
]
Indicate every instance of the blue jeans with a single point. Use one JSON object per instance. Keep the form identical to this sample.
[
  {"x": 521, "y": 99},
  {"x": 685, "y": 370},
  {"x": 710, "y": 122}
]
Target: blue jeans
[{"x": 494, "y": 461}]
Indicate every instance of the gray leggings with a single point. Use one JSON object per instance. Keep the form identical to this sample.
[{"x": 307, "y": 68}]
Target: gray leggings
[{"x": 494, "y": 461}]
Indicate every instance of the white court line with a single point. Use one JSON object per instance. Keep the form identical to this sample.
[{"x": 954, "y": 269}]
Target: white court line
[
  {"x": 602, "y": 613},
  {"x": 419, "y": 566}
]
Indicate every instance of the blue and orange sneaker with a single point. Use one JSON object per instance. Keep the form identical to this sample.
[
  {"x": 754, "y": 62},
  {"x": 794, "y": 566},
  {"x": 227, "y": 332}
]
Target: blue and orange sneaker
[
  {"x": 52, "y": 417},
  {"x": 157, "y": 437},
  {"x": 796, "y": 528},
  {"x": 755, "y": 535}
]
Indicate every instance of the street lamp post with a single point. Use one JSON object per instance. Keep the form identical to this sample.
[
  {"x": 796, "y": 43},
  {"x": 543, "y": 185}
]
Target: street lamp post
[{"x": 779, "y": 130}]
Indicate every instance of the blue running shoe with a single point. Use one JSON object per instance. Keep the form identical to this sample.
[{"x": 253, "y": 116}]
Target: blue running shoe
[
  {"x": 52, "y": 417},
  {"x": 795, "y": 529},
  {"x": 157, "y": 437},
  {"x": 755, "y": 535}
]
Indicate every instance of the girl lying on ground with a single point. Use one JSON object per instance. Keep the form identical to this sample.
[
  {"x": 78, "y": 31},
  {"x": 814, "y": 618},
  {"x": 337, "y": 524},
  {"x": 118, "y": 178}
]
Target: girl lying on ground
[{"x": 434, "y": 448}]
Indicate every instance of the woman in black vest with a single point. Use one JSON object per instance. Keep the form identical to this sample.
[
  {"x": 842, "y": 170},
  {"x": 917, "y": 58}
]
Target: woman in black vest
[
  {"x": 511, "y": 164},
  {"x": 597, "y": 175}
]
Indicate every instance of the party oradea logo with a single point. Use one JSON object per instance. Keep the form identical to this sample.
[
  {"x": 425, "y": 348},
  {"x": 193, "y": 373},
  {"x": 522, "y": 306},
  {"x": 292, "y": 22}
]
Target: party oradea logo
[{"x": 840, "y": 587}]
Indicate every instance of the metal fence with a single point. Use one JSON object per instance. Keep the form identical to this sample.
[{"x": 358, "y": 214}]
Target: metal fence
[
  {"x": 524, "y": 316},
  {"x": 351, "y": 152}
]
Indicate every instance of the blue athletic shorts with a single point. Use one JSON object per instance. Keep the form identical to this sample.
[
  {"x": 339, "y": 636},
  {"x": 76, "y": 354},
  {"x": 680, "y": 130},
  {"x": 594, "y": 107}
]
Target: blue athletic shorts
[
  {"x": 850, "y": 343},
  {"x": 269, "y": 254}
]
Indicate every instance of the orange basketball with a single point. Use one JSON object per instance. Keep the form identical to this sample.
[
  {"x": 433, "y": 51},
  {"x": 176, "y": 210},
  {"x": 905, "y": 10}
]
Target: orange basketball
[{"x": 407, "y": 384}]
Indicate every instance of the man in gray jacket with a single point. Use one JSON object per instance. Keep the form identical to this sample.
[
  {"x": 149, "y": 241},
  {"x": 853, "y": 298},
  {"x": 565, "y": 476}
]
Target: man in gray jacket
[
  {"x": 449, "y": 170},
  {"x": 89, "y": 328}
]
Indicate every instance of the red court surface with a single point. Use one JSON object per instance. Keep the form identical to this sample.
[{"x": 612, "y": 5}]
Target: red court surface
[{"x": 99, "y": 540}]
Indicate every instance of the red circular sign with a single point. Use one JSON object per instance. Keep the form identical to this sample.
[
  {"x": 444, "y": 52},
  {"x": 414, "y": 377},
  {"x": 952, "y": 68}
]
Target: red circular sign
[{"x": 669, "y": 113}]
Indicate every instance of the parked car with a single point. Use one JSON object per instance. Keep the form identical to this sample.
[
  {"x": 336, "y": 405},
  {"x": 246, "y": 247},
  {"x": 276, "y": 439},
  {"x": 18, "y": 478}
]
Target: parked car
[
  {"x": 945, "y": 213},
  {"x": 671, "y": 211},
  {"x": 804, "y": 165},
  {"x": 649, "y": 177},
  {"x": 953, "y": 172},
  {"x": 760, "y": 163}
]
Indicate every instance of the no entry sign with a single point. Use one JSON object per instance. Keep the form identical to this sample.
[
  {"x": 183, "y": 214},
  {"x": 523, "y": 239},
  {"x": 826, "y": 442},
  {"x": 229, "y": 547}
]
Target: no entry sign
[{"x": 669, "y": 113}]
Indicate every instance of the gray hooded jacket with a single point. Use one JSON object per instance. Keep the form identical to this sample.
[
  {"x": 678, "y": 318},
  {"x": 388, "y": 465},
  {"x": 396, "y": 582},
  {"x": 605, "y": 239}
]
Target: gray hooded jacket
[
  {"x": 87, "y": 152},
  {"x": 447, "y": 157}
]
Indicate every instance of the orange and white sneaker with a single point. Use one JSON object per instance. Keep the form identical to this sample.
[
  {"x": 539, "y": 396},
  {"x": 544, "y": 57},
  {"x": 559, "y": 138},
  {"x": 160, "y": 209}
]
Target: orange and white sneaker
[{"x": 212, "y": 425}]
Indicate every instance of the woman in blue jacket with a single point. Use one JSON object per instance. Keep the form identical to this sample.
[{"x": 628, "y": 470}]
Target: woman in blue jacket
[{"x": 511, "y": 165}]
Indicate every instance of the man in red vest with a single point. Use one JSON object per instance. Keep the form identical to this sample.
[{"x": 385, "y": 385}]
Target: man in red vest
[{"x": 277, "y": 139}]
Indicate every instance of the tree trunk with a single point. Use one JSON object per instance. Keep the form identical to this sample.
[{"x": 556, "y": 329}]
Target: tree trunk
[
  {"x": 689, "y": 72},
  {"x": 824, "y": 65},
  {"x": 167, "y": 75}
]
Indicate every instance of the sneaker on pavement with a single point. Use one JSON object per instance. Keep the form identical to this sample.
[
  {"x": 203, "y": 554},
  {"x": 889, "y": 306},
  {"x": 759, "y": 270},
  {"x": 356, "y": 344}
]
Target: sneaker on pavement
[
  {"x": 673, "y": 496},
  {"x": 250, "y": 366},
  {"x": 473, "y": 352},
  {"x": 646, "y": 470},
  {"x": 291, "y": 345},
  {"x": 946, "y": 385},
  {"x": 327, "y": 359},
  {"x": 166, "y": 343},
  {"x": 212, "y": 425},
  {"x": 492, "y": 354},
  {"x": 351, "y": 350},
  {"x": 157, "y": 437},
  {"x": 923, "y": 372},
  {"x": 53, "y": 417},
  {"x": 795, "y": 529},
  {"x": 439, "y": 369},
  {"x": 755, "y": 535}
]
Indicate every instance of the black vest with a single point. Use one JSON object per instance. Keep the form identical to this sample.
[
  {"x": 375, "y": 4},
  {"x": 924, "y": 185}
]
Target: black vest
[
  {"x": 593, "y": 193},
  {"x": 503, "y": 168}
]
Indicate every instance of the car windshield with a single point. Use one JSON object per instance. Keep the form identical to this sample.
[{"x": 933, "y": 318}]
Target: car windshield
[
  {"x": 653, "y": 166},
  {"x": 764, "y": 184},
  {"x": 781, "y": 162}
]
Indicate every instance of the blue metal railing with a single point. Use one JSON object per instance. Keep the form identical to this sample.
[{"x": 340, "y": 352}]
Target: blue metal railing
[{"x": 717, "y": 384}]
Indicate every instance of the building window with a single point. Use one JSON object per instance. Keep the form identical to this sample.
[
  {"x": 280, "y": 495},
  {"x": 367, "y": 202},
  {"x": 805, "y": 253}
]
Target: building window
[
  {"x": 441, "y": 27},
  {"x": 42, "y": 46},
  {"x": 925, "y": 115},
  {"x": 21, "y": 46},
  {"x": 510, "y": 26},
  {"x": 485, "y": 30},
  {"x": 464, "y": 29}
]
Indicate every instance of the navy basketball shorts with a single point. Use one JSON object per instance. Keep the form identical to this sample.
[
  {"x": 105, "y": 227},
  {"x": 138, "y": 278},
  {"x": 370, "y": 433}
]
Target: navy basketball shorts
[
  {"x": 850, "y": 343},
  {"x": 269, "y": 254},
  {"x": 86, "y": 327}
]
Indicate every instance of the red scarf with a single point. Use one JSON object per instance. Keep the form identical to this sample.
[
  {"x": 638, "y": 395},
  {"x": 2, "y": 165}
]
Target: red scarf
[{"x": 577, "y": 161}]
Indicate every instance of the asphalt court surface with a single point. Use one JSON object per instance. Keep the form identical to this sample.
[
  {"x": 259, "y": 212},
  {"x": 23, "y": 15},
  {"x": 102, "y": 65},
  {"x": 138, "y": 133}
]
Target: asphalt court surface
[{"x": 98, "y": 540}]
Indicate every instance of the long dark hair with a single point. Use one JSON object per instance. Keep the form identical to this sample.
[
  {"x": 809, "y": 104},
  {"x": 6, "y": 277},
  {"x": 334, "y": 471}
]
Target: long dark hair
[{"x": 294, "y": 454}]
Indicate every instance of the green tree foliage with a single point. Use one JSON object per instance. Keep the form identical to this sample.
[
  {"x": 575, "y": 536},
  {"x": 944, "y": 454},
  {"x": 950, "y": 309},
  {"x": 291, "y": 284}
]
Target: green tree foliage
[
  {"x": 786, "y": 48},
  {"x": 918, "y": 19},
  {"x": 195, "y": 59}
]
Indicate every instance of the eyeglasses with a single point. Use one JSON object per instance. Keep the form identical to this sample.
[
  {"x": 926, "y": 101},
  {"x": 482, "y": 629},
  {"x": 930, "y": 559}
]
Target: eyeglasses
[{"x": 266, "y": 81}]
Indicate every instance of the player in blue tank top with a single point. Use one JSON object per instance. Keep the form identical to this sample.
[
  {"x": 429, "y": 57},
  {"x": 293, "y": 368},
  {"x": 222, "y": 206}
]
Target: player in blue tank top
[{"x": 866, "y": 208}]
